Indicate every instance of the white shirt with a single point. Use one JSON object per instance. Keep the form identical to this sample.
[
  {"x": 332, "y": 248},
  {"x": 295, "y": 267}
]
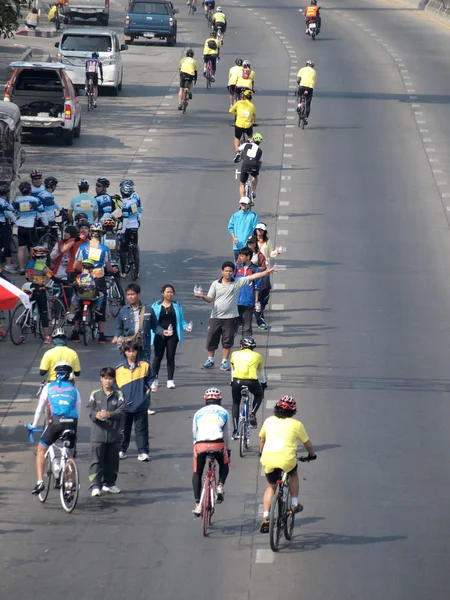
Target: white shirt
[{"x": 211, "y": 423}]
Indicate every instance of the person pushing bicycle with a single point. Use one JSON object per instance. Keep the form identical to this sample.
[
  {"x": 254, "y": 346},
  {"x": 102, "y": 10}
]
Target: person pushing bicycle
[
  {"x": 247, "y": 369},
  {"x": 211, "y": 433},
  {"x": 279, "y": 436},
  {"x": 64, "y": 402}
]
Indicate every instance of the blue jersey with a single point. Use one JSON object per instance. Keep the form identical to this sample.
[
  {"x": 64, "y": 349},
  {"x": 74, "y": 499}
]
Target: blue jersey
[
  {"x": 247, "y": 293},
  {"x": 131, "y": 212},
  {"x": 28, "y": 209},
  {"x": 35, "y": 191},
  {"x": 49, "y": 203},
  {"x": 93, "y": 65},
  {"x": 211, "y": 423},
  {"x": 6, "y": 211},
  {"x": 100, "y": 255},
  {"x": 105, "y": 205},
  {"x": 62, "y": 399}
]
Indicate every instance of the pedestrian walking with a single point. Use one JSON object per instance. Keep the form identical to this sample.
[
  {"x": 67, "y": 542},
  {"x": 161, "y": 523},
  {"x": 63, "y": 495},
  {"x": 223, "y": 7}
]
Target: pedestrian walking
[
  {"x": 264, "y": 243},
  {"x": 106, "y": 411},
  {"x": 248, "y": 300},
  {"x": 223, "y": 294},
  {"x": 170, "y": 317},
  {"x": 241, "y": 225},
  {"x": 134, "y": 378}
]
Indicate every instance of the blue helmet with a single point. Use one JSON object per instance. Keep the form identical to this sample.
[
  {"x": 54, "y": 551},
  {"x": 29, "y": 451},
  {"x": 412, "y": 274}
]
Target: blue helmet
[
  {"x": 126, "y": 187},
  {"x": 95, "y": 55}
]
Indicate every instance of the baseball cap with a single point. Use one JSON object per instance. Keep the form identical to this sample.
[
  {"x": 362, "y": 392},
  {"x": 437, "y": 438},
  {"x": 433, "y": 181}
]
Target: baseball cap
[
  {"x": 261, "y": 226},
  {"x": 244, "y": 200}
]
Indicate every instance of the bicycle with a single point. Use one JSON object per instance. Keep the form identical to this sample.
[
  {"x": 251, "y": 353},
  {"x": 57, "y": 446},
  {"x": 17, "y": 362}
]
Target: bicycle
[
  {"x": 281, "y": 517},
  {"x": 114, "y": 293},
  {"x": 209, "y": 74},
  {"x": 90, "y": 95},
  {"x": 208, "y": 497},
  {"x": 59, "y": 305},
  {"x": 302, "y": 109},
  {"x": 63, "y": 470},
  {"x": 88, "y": 324},
  {"x": 186, "y": 93},
  {"x": 248, "y": 188},
  {"x": 244, "y": 421},
  {"x": 129, "y": 260},
  {"x": 5, "y": 320},
  {"x": 219, "y": 34},
  {"x": 25, "y": 321},
  {"x": 192, "y": 7}
]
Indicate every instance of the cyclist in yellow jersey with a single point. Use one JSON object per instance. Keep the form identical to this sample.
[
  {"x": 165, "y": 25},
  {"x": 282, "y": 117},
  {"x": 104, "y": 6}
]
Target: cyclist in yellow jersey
[
  {"x": 220, "y": 20},
  {"x": 233, "y": 75},
  {"x": 188, "y": 74},
  {"x": 247, "y": 369},
  {"x": 246, "y": 80},
  {"x": 211, "y": 51},
  {"x": 57, "y": 354},
  {"x": 279, "y": 436},
  {"x": 245, "y": 113},
  {"x": 306, "y": 80}
]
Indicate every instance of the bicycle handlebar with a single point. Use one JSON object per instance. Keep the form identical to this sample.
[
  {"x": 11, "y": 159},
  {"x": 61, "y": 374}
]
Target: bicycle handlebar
[
  {"x": 307, "y": 458},
  {"x": 32, "y": 430}
]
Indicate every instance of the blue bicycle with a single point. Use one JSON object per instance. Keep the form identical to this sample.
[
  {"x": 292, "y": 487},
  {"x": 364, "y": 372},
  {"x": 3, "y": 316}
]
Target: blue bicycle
[{"x": 243, "y": 429}]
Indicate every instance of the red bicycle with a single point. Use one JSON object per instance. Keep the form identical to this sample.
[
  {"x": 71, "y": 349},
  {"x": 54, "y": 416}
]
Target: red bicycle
[
  {"x": 209, "y": 74},
  {"x": 208, "y": 497}
]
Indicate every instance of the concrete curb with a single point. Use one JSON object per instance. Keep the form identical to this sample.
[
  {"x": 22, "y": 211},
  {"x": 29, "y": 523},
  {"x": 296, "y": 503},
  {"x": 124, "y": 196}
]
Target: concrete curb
[
  {"x": 438, "y": 9},
  {"x": 38, "y": 33}
]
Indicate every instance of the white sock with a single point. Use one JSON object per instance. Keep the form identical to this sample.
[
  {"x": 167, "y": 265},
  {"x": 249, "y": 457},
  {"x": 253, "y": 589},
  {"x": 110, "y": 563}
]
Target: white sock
[
  {"x": 294, "y": 500},
  {"x": 266, "y": 514},
  {"x": 211, "y": 358},
  {"x": 40, "y": 481}
]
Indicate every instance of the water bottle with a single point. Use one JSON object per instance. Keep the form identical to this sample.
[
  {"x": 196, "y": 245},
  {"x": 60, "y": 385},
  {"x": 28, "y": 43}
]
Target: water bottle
[
  {"x": 285, "y": 492},
  {"x": 280, "y": 249},
  {"x": 55, "y": 468},
  {"x": 35, "y": 312},
  {"x": 190, "y": 326},
  {"x": 170, "y": 329}
]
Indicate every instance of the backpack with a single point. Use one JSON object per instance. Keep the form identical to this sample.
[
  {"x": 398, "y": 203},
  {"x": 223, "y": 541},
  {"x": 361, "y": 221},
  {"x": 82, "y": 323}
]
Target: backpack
[
  {"x": 246, "y": 73},
  {"x": 212, "y": 45}
]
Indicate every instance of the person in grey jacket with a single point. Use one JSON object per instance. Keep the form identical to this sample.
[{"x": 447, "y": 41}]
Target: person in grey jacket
[
  {"x": 129, "y": 321},
  {"x": 106, "y": 410}
]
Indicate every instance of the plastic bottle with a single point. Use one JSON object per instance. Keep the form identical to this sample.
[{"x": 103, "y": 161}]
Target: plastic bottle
[
  {"x": 170, "y": 329},
  {"x": 55, "y": 467},
  {"x": 190, "y": 326}
]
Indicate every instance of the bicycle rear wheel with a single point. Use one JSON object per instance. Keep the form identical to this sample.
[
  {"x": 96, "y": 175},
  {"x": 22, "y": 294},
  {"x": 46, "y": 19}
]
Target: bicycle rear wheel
[
  {"x": 290, "y": 518},
  {"x": 57, "y": 314},
  {"x": 134, "y": 263},
  {"x": 85, "y": 331},
  {"x": 275, "y": 521},
  {"x": 241, "y": 437},
  {"x": 185, "y": 99},
  {"x": 70, "y": 486},
  {"x": 206, "y": 507},
  {"x": 114, "y": 299},
  {"x": 19, "y": 326},
  {"x": 47, "y": 477}
]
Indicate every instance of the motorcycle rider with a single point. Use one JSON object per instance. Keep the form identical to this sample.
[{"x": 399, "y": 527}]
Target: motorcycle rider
[{"x": 312, "y": 13}]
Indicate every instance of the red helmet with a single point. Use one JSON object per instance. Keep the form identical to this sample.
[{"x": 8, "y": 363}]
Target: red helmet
[
  {"x": 212, "y": 394},
  {"x": 286, "y": 402}
]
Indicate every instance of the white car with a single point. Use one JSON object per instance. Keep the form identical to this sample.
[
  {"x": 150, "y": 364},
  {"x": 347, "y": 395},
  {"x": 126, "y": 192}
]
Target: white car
[{"x": 77, "y": 45}]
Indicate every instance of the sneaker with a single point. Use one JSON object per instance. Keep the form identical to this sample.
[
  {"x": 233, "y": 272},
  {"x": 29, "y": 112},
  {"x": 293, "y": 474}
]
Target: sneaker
[
  {"x": 10, "y": 268},
  {"x": 143, "y": 457},
  {"x": 296, "y": 509},
  {"x": 213, "y": 79},
  {"x": 75, "y": 337},
  {"x": 264, "y": 526},
  {"x": 94, "y": 104},
  {"x": 122, "y": 455},
  {"x": 111, "y": 489},
  {"x": 154, "y": 386},
  {"x": 190, "y": 95},
  {"x": 253, "y": 421},
  {"x": 263, "y": 326},
  {"x": 21, "y": 271},
  {"x": 95, "y": 492},
  {"x": 48, "y": 340},
  {"x": 102, "y": 339},
  {"x": 151, "y": 412},
  {"x": 220, "y": 493},
  {"x": 208, "y": 364},
  {"x": 38, "y": 488},
  {"x": 237, "y": 157},
  {"x": 197, "y": 510},
  {"x": 180, "y": 106},
  {"x": 171, "y": 384},
  {"x": 225, "y": 366},
  {"x": 123, "y": 275},
  {"x": 253, "y": 195}
]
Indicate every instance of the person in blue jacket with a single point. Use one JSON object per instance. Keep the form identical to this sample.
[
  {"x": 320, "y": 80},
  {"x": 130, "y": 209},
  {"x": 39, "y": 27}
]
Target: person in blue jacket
[
  {"x": 170, "y": 317},
  {"x": 241, "y": 225}
]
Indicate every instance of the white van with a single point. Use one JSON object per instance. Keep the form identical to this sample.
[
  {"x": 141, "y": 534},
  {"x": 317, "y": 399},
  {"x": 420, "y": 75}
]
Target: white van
[{"x": 77, "y": 45}]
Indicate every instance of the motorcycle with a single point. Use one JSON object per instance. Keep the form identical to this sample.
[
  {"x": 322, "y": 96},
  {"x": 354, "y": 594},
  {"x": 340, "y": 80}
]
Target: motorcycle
[{"x": 313, "y": 30}]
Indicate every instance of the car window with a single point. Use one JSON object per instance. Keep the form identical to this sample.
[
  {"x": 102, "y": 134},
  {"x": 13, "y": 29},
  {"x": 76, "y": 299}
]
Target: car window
[
  {"x": 38, "y": 81},
  {"x": 86, "y": 43},
  {"x": 157, "y": 8}
]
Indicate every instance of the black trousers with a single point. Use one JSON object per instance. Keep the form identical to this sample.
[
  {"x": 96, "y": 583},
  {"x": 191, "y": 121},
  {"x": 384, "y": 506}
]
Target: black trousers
[
  {"x": 301, "y": 89},
  {"x": 167, "y": 345},
  {"x": 224, "y": 469},
  {"x": 254, "y": 388},
  {"x": 246, "y": 316},
  {"x": 104, "y": 468},
  {"x": 40, "y": 296},
  {"x": 5, "y": 239},
  {"x": 140, "y": 420}
]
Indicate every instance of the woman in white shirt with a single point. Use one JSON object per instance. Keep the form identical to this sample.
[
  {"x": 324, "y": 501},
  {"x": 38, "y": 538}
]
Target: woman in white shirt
[{"x": 264, "y": 243}]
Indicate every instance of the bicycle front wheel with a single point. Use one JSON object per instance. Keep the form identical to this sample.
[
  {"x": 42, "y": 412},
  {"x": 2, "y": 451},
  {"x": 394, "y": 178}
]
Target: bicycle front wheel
[
  {"x": 241, "y": 438},
  {"x": 206, "y": 507},
  {"x": 275, "y": 524},
  {"x": 47, "y": 477},
  {"x": 57, "y": 314},
  {"x": 19, "y": 327},
  {"x": 114, "y": 299},
  {"x": 70, "y": 486}
]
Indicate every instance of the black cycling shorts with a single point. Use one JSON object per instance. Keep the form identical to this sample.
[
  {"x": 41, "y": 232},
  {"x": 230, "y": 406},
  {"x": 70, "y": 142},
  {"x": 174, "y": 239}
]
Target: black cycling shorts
[
  {"x": 27, "y": 236},
  {"x": 185, "y": 77},
  {"x": 211, "y": 5},
  {"x": 94, "y": 77},
  {"x": 238, "y": 131},
  {"x": 223, "y": 27},
  {"x": 277, "y": 474},
  {"x": 55, "y": 429},
  {"x": 212, "y": 58},
  {"x": 247, "y": 170}
]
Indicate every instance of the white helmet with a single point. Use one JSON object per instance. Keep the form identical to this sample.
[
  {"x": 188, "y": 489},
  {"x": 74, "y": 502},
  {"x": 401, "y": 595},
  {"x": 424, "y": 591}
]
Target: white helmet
[
  {"x": 219, "y": 9},
  {"x": 63, "y": 370}
]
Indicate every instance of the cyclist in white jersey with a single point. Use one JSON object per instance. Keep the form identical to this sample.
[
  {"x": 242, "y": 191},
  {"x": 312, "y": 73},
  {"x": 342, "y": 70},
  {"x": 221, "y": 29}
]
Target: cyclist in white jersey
[{"x": 92, "y": 68}]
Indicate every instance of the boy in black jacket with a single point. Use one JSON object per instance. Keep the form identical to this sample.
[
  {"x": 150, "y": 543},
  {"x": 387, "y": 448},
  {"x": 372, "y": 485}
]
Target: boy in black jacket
[{"x": 106, "y": 410}]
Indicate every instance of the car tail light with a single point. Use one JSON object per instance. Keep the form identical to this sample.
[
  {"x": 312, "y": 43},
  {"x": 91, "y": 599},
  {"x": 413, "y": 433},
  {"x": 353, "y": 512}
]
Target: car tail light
[
  {"x": 171, "y": 21},
  {"x": 67, "y": 112},
  {"x": 127, "y": 20},
  {"x": 66, "y": 2},
  {"x": 106, "y": 3}
]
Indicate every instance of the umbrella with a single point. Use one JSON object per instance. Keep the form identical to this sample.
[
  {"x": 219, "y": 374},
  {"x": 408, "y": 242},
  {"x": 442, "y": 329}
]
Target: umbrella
[{"x": 10, "y": 294}]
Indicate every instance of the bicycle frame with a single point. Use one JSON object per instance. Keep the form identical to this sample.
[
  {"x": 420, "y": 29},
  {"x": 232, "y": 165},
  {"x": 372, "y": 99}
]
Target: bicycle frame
[
  {"x": 90, "y": 94},
  {"x": 208, "y": 73},
  {"x": 302, "y": 110},
  {"x": 208, "y": 496},
  {"x": 244, "y": 422}
]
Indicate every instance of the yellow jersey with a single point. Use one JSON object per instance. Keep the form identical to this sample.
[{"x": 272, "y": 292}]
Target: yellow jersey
[
  {"x": 233, "y": 74},
  {"x": 207, "y": 50},
  {"x": 245, "y": 113},
  {"x": 281, "y": 438},
  {"x": 188, "y": 65},
  {"x": 307, "y": 76},
  {"x": 219, "y": 18},
  {"x": 246, "y": 363},
  {"x": 56, "y": 354},
  {"x": 248, "y": 83}
]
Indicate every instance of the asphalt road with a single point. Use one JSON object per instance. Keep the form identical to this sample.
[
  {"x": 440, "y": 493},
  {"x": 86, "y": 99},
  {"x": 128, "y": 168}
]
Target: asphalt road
[{"x": 359, "y": 333}]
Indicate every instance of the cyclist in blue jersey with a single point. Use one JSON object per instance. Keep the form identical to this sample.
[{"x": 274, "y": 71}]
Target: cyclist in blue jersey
[
  {"x": 37, "y": 186},
  {"x": 92, "y": 68},
  {"x": 50, "y": 203},
  {"x": 131, "y": 210},
  {"x": 28, "y": 209},
  {"x": 104, "y": 201},
  {"x": 211, "y": 4},
  {"x": 63, "y": 402},
  {"x": 7, "y": 220}
]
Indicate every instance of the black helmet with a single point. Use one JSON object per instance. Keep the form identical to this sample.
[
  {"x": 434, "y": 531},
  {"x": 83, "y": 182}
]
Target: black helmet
[
  {"x": 4, "y": 189},
  {"x": 103, "y": 182},
  {"x": 95, "y": 55},
  {"x": 248, "y": 342},
  {"x": 25, "y": 188},
  {"x": 50, "y": 182},
  {"x": 190, "y": 53},
  {"x": 81, "y": 217},
  {"x": 314, "y": 2},
  {"x": 238, "y": 62}
]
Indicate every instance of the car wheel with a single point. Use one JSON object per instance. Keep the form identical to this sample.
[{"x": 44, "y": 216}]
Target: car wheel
[
  {"x": 171, "y": 40},
  {"x": 114, "y": 91},
  {"x": 77, "y": 130},
  {"x": 68, "y": 137}
]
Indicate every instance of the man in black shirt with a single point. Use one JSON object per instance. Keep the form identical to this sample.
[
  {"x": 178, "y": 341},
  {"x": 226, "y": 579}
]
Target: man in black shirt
[{"x": 251, "y": 155}]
